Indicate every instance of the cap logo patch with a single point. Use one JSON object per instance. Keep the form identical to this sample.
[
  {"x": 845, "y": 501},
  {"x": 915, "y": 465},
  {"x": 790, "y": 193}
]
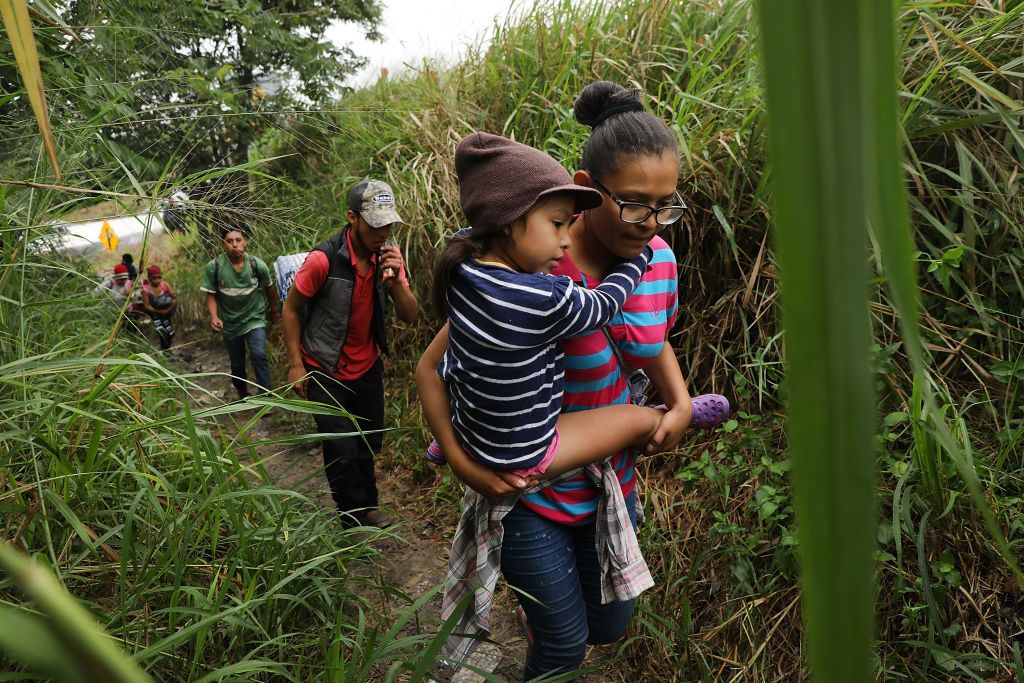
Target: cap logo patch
[{"x": 382, "y": 198}]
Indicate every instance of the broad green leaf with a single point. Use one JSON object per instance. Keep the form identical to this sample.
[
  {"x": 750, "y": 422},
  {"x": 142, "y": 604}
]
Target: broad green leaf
[
  {"x": 816, "y": 84},
  {"x": 96, "y": 654},
  {"x": 19, "y": 30},
  {"x": 25, "y": 638}
]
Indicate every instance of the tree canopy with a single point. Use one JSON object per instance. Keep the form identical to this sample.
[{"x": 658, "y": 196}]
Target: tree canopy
[{"x": 187, "y": 81}]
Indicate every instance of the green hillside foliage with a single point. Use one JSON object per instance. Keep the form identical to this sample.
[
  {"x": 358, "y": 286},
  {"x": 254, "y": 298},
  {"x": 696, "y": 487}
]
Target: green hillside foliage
[
  {"x": 118, "y": 478},
  {"x": 724, "y": 544}
]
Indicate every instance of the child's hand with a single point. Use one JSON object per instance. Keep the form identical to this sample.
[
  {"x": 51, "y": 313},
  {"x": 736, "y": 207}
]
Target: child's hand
[
  {"x": 491, "y": 484},
  {"x": 494, "y": 485},
  {"x": 673, "y": 425}
]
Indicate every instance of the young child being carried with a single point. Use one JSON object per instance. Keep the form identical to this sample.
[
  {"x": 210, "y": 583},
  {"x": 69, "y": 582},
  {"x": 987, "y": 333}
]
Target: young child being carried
[{"x": 507, "y": 313}]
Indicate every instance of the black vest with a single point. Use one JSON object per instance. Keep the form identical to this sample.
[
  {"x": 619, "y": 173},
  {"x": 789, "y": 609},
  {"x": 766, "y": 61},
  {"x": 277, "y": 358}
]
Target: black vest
[{"x": 325, "y": 322}]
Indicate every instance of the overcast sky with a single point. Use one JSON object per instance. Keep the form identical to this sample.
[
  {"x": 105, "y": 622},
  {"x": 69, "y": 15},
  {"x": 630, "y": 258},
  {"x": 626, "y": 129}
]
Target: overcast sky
[{"x": 414, "y": 29}]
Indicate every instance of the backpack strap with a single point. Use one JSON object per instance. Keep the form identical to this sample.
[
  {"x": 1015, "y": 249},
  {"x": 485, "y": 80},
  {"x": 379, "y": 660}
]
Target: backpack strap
[
  {"x": 216, "y": 271},
  {"x": 624, "y": 367},
  {"x": 330, "y": 248},
  {"x": 637, "y": 381}
]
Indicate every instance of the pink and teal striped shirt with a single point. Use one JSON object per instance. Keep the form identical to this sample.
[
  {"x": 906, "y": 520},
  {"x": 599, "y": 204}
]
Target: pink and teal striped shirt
[{"x": 593, "y": 378}]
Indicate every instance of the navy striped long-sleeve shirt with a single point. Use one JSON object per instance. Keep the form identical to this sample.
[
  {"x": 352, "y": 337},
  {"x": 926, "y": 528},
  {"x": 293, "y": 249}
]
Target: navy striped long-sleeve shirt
[{"x": 504, "y": 364}]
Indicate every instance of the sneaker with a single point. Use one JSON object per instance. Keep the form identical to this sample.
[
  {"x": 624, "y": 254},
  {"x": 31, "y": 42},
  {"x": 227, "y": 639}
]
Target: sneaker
[
  {"x": 434, "y": 453},
  {"x": 376, "y": 518},
  {"x": 365, "y": 518}
]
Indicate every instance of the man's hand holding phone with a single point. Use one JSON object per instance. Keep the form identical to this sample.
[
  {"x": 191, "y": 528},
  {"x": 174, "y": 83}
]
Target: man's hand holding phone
[{"x": 391, "y": 263}]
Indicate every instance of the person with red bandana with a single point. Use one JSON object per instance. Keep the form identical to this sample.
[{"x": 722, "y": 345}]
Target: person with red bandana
[{"x": 159, "y": 301}]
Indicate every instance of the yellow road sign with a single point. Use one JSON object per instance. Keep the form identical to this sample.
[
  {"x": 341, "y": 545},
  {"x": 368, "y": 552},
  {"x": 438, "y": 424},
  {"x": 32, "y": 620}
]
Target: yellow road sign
[{"x": 108, "y": 238}]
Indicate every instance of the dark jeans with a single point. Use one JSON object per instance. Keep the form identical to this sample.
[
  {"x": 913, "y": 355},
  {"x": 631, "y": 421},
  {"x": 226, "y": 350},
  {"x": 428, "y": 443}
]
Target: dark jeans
[
  {"x": 556, "y": 565},
  {"x": 257, "y": 342},
  {"x": 348, "y": 460}
]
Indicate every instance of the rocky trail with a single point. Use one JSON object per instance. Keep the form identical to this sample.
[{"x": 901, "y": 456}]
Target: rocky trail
[{"x": 413, "y": 557}]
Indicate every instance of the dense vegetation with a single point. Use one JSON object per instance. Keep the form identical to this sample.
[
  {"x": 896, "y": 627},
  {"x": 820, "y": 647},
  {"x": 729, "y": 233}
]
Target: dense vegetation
[
  {"x": 723, "y": 542},
  {"x": 81, "y": 484}
]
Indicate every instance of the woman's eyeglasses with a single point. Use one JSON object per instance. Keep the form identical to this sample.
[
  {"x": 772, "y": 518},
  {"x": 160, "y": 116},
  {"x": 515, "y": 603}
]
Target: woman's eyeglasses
[{"x": 635, "y": 212}]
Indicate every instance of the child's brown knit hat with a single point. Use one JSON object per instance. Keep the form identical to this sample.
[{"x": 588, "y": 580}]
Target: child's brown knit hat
[{"x": 500, "y": 180}]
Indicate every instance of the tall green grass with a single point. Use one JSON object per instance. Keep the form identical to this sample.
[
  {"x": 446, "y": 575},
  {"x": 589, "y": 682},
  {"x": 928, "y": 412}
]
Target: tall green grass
[
  {"x": 723, "y": 538},
  {"x": 829, "y": 77},
  {"x": 168, "y": 529},
  {"x": 148, "y": 500},
  {"x": 727, "y": 526}
]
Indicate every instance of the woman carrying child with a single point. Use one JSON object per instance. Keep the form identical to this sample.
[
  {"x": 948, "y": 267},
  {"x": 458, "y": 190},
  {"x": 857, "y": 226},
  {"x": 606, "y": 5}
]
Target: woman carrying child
[
  {"x": 553, "y": 544},
  {"x": 159, "y": 301},
  {"x": 503, "y": 366}
]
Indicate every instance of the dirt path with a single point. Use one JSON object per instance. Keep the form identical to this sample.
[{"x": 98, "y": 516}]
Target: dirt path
[{"x": 415, "y": 559}]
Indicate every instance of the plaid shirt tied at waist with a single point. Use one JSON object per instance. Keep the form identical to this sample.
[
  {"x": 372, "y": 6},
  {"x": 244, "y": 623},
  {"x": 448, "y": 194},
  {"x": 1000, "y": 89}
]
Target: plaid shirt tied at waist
[{"x": 475, "y": 560}]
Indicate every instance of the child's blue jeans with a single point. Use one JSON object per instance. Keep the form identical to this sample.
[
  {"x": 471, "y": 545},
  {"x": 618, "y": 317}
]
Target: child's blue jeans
[{"x": 556, "y": 566}]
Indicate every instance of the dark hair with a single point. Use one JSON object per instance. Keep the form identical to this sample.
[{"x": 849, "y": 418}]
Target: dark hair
[
  {"x": 473, "y": 244},
  {"x": 126, "y": 258},
  {"x": 233, "y": 226},
  {"x": 621, "y": 129}
]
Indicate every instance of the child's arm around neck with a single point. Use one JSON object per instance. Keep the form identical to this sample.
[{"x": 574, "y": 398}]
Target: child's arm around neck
[{"x": 579, "y": 309}]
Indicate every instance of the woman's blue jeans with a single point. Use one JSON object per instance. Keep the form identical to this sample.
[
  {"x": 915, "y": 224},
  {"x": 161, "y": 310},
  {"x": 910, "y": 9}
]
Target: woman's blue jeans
[
  {"x": 557, "y": 578},
  {"x": 256, "y": 339}
]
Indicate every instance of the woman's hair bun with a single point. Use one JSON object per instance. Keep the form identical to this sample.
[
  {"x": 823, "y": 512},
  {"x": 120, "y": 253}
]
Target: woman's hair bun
[{"x": 593, "y": 105}]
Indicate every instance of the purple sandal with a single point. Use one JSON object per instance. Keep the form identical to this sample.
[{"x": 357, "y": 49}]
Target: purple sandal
[
  {"x": 709, "y": 410},
  {"x": 434, "y": 453}
]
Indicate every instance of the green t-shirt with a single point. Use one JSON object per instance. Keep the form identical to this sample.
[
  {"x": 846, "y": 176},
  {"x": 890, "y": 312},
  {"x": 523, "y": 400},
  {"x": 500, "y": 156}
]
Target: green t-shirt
[{"x": 241, "y": 303}]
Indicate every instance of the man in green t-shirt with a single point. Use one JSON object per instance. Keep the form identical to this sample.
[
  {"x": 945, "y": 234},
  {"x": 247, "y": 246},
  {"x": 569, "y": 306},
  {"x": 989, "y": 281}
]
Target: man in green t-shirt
[{"x": 239, "y": 291}]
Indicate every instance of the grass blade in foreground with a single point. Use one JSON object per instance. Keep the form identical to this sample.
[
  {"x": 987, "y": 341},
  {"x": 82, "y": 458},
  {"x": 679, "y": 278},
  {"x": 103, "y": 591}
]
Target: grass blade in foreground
[
  {"x": 85, "y": 646},
  {"x": 23, "y": 44},
  {"x": 816, "y": 84}
]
